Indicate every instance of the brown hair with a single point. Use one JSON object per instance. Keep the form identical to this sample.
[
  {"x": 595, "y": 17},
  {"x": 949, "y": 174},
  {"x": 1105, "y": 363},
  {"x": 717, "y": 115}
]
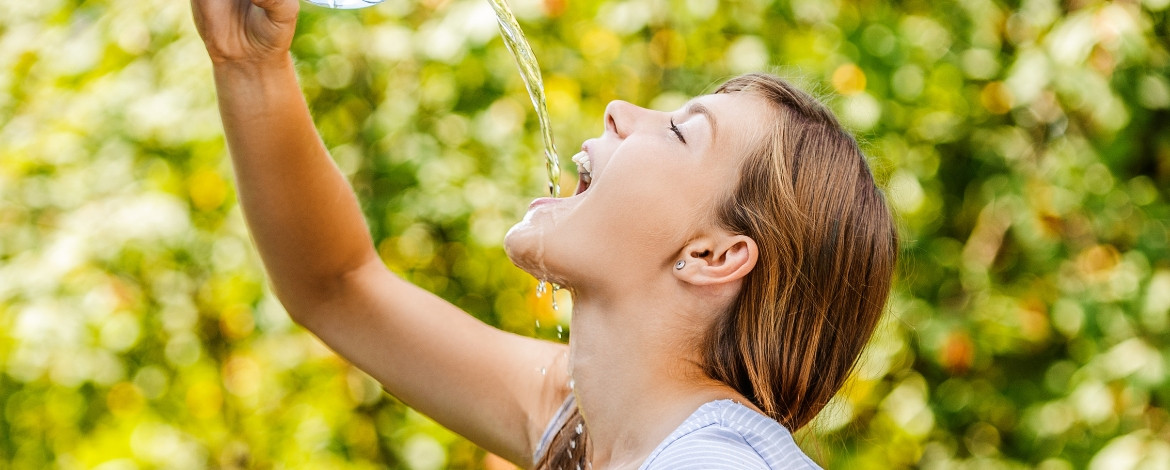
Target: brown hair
[{"x": 827, "y": 248}]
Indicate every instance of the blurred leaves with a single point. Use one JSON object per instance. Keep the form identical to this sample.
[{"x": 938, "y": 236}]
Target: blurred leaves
[{"x": 1024, "y": 145}]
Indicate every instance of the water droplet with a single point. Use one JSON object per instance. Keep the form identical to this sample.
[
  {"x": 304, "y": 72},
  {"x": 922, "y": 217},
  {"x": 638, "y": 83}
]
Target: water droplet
[
  {"x": 573, "y": 444},
  {"x": 555, "y": 288},
  {"x": 571, "y": 383},
  {"x": 541, "y": 287},
  {"x": 542, "y": 371},
  {"x": 580, "y": 428},
  {"x": 538, "y": 324}
]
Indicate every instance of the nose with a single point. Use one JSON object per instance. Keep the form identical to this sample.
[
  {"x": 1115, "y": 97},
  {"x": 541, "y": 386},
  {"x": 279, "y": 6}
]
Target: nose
[{"x": 621, "y": 117}]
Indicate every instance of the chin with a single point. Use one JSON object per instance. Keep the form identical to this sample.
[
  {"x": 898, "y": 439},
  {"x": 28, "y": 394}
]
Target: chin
[
  {"x": 528, "y": 247},
  {"x": 525, "y": 247}
]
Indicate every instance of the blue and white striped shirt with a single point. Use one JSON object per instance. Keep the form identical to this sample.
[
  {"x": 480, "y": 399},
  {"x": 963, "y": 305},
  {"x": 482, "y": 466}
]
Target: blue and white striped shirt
[{"x": 720, "y": 435}]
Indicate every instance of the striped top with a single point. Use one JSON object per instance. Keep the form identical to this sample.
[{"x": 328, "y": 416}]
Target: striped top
[{"x": 720, "y": 435}]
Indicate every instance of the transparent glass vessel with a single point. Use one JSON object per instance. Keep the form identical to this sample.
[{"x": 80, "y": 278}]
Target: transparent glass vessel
[{"x": 345, "y": 4}]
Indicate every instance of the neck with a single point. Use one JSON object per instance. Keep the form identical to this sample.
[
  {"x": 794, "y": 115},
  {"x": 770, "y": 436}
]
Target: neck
[{"x": 636, "y": 371}]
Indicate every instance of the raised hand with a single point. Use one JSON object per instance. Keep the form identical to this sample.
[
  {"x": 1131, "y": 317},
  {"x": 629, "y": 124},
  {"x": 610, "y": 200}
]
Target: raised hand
[{"x": 246, "y": 30}]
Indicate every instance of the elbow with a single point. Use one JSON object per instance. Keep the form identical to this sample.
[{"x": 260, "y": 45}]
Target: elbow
[
  {"x": 310, "y": 301},
  {"x": 298, "y": 304}
]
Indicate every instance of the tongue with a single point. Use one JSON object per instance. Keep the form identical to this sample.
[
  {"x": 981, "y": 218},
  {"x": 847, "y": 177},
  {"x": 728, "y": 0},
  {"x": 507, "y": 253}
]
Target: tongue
[{"x": 581, "y": 187}]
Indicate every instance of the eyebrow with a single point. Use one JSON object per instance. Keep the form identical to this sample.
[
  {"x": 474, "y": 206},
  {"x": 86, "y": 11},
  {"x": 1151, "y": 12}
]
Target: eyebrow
[{"x": 698, "y": 108}]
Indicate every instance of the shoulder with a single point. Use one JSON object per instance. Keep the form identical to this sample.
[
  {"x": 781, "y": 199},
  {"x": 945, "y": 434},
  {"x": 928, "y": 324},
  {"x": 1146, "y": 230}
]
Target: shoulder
[
  {"x": 711, "y": 447},
  {"x": 725, "y": 435}
]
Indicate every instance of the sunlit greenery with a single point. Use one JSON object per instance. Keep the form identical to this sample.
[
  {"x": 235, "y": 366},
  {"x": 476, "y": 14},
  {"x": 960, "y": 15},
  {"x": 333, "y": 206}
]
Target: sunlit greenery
[{"x": 1025, "y": 146}]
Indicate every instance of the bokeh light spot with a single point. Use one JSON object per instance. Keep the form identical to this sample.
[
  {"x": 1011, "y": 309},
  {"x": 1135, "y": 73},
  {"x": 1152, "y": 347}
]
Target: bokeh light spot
[{"x": 848, "y": 79}]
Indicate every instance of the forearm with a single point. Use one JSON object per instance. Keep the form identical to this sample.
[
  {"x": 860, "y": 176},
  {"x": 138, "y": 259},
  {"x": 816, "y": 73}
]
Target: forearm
[{"x": 301, "y": 211}]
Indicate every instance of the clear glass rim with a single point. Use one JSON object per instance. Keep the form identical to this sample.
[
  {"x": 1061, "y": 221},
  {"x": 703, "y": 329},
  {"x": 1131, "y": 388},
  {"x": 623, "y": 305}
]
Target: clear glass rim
[{"x": 345, "y": 4}]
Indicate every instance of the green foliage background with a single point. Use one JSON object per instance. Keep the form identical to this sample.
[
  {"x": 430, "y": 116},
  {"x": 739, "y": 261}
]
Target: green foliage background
[{"x": 1025, "y": 146}]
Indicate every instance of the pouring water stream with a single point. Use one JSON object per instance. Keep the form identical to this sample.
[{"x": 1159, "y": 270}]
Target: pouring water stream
[{"x": 521, "y": 51}]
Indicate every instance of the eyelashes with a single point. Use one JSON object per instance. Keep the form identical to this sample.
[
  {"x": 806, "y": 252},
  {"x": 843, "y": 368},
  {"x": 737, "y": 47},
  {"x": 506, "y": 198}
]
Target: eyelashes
[{"x": 677, "y": 132}]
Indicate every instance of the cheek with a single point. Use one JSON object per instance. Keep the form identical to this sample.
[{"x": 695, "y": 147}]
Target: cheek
[
  {"x": 635, "y": 217},
  {"x": 652, "y": 190}
]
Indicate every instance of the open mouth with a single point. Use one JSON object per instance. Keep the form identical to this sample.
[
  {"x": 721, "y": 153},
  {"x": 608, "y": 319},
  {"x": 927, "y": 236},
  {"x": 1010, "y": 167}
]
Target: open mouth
[{"x": 584, "y": 169}]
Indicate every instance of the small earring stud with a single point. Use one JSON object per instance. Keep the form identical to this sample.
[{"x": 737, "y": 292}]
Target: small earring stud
[{"x": 680, "y": 264}]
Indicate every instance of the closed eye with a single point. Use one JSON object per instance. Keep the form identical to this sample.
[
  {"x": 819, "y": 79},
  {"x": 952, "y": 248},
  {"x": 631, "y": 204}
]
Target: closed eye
[{"x": 677, "y": 132}]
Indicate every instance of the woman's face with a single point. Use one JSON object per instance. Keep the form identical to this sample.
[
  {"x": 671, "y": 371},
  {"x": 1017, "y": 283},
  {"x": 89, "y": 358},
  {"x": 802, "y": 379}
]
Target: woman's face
[{"x": 657, "y": 178}]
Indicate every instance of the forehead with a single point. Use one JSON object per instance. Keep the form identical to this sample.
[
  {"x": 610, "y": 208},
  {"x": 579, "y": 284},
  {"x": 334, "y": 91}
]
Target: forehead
[{"x": 740, "y": 120}]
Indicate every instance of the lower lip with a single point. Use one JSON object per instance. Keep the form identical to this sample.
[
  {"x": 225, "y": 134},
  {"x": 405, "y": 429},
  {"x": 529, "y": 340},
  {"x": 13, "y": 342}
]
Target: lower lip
[{"x": 540, "y": 202}]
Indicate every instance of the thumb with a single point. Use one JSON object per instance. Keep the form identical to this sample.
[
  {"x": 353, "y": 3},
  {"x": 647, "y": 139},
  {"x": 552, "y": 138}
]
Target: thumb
[{"x": 279, "y": 11}]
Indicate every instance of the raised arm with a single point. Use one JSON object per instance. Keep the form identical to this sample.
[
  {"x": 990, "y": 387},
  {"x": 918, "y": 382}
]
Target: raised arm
[
  {"x": 485, "y": 384},
  {"x": 300, "y": 209}
]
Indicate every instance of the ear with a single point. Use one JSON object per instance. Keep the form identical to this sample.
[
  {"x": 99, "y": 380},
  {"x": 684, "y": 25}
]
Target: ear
[{"x": 717, "y": 260}]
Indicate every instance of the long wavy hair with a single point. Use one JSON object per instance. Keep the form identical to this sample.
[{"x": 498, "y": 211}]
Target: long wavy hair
[{"x": 827, "y": 250}]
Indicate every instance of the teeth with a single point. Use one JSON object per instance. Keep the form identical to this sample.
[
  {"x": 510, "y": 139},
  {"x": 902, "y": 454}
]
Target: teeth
[
  {"x": 584, "y": 166},
  {"x": 582, "y": 161}
]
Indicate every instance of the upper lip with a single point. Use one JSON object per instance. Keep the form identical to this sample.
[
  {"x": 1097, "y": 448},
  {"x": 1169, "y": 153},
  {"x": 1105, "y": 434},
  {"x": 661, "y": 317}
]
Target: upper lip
[{"x": 587, "y": 148}]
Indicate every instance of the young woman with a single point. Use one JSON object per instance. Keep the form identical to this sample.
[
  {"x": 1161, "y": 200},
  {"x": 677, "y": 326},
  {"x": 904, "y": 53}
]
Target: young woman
[{"x": 728, "y": 261}]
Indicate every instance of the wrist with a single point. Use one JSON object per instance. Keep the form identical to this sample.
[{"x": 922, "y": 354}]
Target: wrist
[
  {"x": 248, "y": 89},
  {"x": 277, "y": 63}
]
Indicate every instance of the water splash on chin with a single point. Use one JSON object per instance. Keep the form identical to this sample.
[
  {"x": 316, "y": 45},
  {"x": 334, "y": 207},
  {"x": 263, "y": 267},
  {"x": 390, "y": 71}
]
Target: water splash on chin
[
  {"x": 533, "y": 260},
  {"x": 525, "y": 244}
]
